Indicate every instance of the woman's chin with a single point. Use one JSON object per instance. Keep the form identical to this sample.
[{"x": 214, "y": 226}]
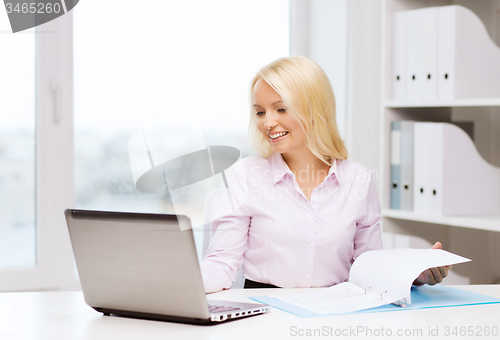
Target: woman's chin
[{"x": 279, "y": 149}]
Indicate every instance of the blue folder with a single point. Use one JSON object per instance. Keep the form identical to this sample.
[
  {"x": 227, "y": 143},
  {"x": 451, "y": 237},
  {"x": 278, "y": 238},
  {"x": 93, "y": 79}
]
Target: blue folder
[{"x": 421, "y": 297}]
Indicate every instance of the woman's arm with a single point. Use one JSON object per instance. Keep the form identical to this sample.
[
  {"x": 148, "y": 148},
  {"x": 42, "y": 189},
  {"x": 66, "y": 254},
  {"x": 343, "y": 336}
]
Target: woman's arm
[
  {"x": 367, "y": 236},
  {"x": 225, "y": 254},
  {"x": 230, "y": 223}
]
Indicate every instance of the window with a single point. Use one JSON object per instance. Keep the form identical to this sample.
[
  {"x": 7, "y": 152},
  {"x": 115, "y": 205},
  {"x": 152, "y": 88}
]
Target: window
[
  {"x": 17, "y": 149},
  {"x": 35, "y": 146},
  {"x": 139, "y": 62}
]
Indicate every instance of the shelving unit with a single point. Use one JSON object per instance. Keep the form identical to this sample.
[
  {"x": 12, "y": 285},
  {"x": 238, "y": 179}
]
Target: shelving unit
[
  {"x": 476, "y": 237},
  {"x": 445, "y": 111},
  {"x": 372, "y": 108},
  {"x": 486, "y": 102}
]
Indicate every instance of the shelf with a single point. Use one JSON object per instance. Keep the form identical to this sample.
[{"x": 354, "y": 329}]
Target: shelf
[
  {"x": 445, "y": 103},
  {"x": 482, "y": 222},
  {"x": 490, "y": 222}
]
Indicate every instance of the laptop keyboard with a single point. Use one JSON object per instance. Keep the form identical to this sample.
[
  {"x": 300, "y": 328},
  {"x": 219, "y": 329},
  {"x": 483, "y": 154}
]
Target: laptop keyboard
[{"x": 220, "y": 309}]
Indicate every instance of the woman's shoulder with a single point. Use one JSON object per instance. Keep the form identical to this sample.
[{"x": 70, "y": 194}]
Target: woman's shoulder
[
  {"x": 256, "y": 162},
  {"x": 346, "y": 164},
  {"x": 351, "y": 171},
  {"x": 251, "y": 168},
  {"x": 256, "y": 166}
]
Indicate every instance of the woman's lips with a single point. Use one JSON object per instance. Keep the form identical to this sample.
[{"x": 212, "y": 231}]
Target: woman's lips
[{"x": 275, "y": 140}]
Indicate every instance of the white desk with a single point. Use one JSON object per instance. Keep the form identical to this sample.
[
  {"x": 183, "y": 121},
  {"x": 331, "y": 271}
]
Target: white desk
[{"x": 64, "y": 315}]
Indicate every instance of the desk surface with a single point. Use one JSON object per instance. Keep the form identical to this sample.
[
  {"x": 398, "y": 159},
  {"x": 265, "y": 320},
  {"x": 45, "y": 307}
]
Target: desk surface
[{"x": 64, "y": 315}]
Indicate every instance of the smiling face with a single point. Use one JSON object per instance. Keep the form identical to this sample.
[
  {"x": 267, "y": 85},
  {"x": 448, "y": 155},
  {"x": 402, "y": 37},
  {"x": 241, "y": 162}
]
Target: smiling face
[{"x": 283, "y": 132}]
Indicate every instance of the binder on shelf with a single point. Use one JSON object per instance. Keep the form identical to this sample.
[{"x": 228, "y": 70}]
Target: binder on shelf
[
  {"x": 446, "y": 52},
  {"x": 412, "y": 55},
  {"x": 398, "y": 72},
  {"x": 406, "y": 194},
  {"x": 450, "y": 176},
  {"x": 395, "y": 165},
  {"x": 428, "y": 170},
  {"x": 402, "y": 165},
  {"x": 468, "y": 60},
  {"x": 428, "y": 54}
]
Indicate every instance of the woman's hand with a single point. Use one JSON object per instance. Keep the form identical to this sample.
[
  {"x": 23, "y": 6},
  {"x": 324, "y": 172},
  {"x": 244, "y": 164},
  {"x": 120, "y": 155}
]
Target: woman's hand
[{"x": 432, "y": 276}]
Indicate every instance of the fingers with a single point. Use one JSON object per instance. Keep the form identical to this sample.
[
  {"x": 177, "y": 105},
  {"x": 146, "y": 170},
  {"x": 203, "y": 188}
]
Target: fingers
[
  {"x": 437, "y": 245},
  {"x": 418, "y": 283},
  {"x": 444, "y": 271},
  {"x": 420, "y": 280},
  {"x": 429, "y": 277},
  {"x": 433, "y": 276}
]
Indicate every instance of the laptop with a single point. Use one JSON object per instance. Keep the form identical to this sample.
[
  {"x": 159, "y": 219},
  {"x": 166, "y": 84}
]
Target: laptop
[{"x": 143, "y": 266}]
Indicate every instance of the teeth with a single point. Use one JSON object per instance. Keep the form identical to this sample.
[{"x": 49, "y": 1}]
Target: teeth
[{"x": 277, "y": 135}]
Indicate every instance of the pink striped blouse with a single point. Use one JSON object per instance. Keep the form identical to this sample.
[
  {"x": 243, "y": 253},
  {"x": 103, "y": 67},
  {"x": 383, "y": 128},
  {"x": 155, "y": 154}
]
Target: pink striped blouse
[{"x": 282, "y": 238}]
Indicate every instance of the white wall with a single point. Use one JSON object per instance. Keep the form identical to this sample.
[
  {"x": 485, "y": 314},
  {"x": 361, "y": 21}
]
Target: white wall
[
  {"x": 319, "y": 31},
  {"x": 364, "y": 79}
]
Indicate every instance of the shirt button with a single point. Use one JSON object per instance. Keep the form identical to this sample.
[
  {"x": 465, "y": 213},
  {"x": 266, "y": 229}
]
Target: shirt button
[
  {"x": 308, "y": 276},
  {"x": 311, "y": 245}
]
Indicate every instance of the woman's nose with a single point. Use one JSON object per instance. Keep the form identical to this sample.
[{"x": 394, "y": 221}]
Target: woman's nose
[{"x": 270, "y": 121}]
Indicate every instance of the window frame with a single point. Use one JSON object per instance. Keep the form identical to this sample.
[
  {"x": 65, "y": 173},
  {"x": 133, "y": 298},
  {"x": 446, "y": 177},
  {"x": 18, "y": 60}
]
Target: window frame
[{"x": 54, "y": 268}]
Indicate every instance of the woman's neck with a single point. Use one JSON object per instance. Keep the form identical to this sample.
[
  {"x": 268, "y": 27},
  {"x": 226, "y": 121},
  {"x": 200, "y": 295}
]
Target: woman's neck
[{"x": 305, "y": 162}]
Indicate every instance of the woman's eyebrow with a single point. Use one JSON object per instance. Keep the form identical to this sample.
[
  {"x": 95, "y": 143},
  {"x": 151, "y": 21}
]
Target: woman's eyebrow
[{"x": 276, "y": 102}]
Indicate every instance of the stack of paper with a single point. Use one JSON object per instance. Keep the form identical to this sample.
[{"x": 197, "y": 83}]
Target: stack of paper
[
  {"x": 422, "y": 297},
  {"x": 376, "y": 278}
]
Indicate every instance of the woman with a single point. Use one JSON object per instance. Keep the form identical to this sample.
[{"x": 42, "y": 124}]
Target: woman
[{"x": 310, "y": 212}]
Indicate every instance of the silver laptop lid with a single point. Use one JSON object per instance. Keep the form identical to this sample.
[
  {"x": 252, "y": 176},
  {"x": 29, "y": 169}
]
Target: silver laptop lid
[{"x": 137, "y": 262}]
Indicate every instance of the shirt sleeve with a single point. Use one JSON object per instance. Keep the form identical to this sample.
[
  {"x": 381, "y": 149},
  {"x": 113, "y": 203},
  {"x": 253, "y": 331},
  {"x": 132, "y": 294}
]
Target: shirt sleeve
[
  {"x": 224, "y": 256},
  {"x": 367, "y": 236}
]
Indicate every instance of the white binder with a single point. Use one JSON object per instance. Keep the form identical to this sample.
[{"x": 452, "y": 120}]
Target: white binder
[
  {"x": 398, "y": 74},
  {"x": 406, "y": 194},
  {"x": 451, "y": 177},
  {"x": 396, "y": 164},
  {"x": 469, "y": 61},
  {"x": 428, "y": 63},
  {"x": 428, "y": 169},
  {"x": 446, "y": 53},
  {"x": 412, "y": 53}
]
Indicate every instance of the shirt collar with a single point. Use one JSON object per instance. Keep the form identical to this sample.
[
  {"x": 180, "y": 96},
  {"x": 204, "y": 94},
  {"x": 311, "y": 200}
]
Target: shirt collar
[{"x": 279, "y": 168}]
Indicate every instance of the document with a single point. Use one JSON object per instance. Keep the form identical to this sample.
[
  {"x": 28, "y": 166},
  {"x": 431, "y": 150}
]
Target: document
[
  {"x": 377, "y": 278},
  {"x": 437, "y": 296},
  {"x": 342, "y": 298}
]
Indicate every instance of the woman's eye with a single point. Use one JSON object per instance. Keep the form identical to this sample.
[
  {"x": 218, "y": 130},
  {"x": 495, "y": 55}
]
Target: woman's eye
[
  {"x": 260, "y": 113},
  {"x": 283, "y": 110}
]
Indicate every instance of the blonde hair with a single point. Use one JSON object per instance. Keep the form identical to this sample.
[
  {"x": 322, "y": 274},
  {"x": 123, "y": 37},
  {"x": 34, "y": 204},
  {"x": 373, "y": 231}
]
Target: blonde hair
[{"x": 308, "y": 96}]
